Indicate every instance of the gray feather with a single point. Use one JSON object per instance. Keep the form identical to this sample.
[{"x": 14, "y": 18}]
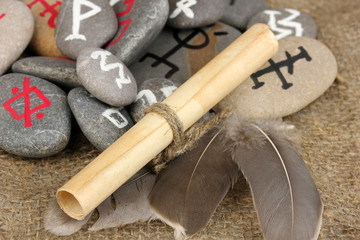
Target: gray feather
[
  {"x": 130, "y": 201},
  {"x": 285, "y": 196},
  {"x": 188, "y": 191},
  {"x": 59, "y": 223},
  {"x": 130, "y": 206}
]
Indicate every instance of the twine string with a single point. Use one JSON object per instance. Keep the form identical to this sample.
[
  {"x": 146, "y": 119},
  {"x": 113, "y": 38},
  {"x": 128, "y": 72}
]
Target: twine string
[{"x": 182, "y": 141}]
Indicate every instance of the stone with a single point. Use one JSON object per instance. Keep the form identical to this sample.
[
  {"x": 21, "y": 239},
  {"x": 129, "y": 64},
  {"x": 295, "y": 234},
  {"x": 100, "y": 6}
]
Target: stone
[
  {"x": 106, "y": 77},
  {"x": 59, "y": 71},
  {"x": 35, "y": 119},
  {"x": 286, "y": 22},
  {"x": 178, "y": 54},
  {"x": 186, "y": 14},
  {"x": 151, "y": 91},
  {"x": 239, "y": 12},
  {"x": 139, "y": 23},
  {"x": 101, "y": 124},
  {"x": 82, "y": 24},
  {"x": 45, "y": 14},
  {"x": 301, "y": 71},
  {"x": 16, "y": 30}
]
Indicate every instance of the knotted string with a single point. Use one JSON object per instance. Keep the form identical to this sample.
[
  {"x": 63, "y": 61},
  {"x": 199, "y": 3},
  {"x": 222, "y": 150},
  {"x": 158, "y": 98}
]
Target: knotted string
[{"x": 182, "y": 141}]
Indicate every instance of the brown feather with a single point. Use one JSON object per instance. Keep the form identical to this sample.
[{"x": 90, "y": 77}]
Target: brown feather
[
  {"x": 130, "y": 206},
  {"x": 285, "y": 196},
  {"x": 188, "y": 191}
]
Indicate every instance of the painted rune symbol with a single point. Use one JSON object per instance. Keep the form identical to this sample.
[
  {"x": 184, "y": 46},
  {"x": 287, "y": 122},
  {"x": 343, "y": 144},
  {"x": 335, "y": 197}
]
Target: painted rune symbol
[
  {"x": 79, "y": 15},
  {"x": 276, "y": 67},
  {"x": 115, "y": 117},
  {"x": 125, "y": 23},
  {"x": 26, "y": 95},
  {"x": 103, "y": 54},
  {"x": 288, "y": 22},
  {"x": 150, "y": 97},
  {"x": 183, "y": 6},
  {"x": 48, "y": 9},
  {"x": 181, "y": 43}
]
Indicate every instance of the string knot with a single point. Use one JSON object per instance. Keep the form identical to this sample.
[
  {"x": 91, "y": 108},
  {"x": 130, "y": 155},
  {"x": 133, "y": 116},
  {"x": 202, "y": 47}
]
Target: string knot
[{"x": 182, "y": 141}]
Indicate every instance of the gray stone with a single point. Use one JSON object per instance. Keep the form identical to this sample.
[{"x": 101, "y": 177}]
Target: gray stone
[
  {"x": 106, "y": 77},
  {"x": 301, "y": 71},
  {"x": 239, "y": 12},
  {"x": 16, "y": 30},
  {"x": 60, "y": 71},
  {"x": 151, "y": 91},
  {"x": 286, "y": 22},
  {"x": 83, "y": 24},
  {"x": 35, "y": 119},
  {"x": 178, "y": 54},
  {"x": 186, "y": 14},
  {"x": 101, "y": 124},
  {"x": 139, "y": 22}
]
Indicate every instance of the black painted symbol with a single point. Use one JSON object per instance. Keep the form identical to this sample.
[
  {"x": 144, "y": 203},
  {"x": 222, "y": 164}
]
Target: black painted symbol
[
  {"x": 220, "y": 33},
  {"x": 232, "y": 2},
  {"x": 275, "y": 67},
  {"x": 181, "y": 43}
]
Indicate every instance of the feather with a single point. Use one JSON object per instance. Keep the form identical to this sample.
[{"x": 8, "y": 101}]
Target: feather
[
  {"x": 59, "y": 223},
  {"x": 131, "y": 203},
  {"x": 285, "y": 196},
  {"x": 188, "y": 191},
  {"x": 130, "y": 206}
]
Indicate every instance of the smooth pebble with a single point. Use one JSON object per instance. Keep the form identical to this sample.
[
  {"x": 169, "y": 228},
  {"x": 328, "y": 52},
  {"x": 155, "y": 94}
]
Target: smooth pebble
[
  {"x": 151, "y": 91},
  {"x": 16, "y": 30},
  {"x": 60, "y": 71},
  {"x": 286, "y": 22},
  {"x": 101, "y": 124},
  {"x": 139, "y": 23},
  {"x": 178, "y": 54},
  {"x": 45, "y": 14},
  {"x": 84, "y": 24},
  {"x": 35, "y": 119},
  {"x": 186, "y": 14},
  {"x": 301, "y": 71},
  {"x": 106, "y": 77},
  {"x": 239, "y": 12}
]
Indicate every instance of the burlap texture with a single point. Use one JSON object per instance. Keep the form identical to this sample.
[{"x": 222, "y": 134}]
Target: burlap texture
[{"x": 330, "y": 145}]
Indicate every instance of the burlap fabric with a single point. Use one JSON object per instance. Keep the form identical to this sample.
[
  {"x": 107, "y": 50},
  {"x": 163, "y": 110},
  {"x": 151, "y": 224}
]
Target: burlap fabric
[{"x": 330, "y": 129}]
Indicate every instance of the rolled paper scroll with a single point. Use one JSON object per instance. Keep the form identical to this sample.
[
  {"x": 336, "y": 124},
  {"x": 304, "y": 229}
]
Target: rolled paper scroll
[{"x": 113, "y": 167}]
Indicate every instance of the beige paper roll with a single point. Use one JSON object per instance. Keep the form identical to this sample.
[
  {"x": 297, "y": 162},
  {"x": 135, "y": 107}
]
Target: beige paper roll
[{"x": 106, "y": 173}]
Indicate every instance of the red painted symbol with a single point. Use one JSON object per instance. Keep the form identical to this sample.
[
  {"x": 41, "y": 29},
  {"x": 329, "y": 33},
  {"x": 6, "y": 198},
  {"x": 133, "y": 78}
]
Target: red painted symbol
[
  {"x": 48, "y": 9},
  {"x": 2, "y": 15},
  {"x": 26, "y": 95},
  {"x": 125, "y": 23}
]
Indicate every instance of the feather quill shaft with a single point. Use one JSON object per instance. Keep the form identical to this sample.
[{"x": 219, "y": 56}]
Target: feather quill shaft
[
  {"x": 188, "y": 191},
  {"x": 285, "y": 196},
  {"x": 286, "y": 173}
]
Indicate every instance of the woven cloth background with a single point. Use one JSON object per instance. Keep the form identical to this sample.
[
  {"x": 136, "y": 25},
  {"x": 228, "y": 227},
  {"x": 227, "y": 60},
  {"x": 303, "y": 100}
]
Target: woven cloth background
[{"x": 330, "y": 142}]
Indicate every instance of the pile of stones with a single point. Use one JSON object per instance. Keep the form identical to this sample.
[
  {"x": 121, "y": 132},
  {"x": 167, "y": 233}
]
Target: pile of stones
[{"x": 104, "y": 62}]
